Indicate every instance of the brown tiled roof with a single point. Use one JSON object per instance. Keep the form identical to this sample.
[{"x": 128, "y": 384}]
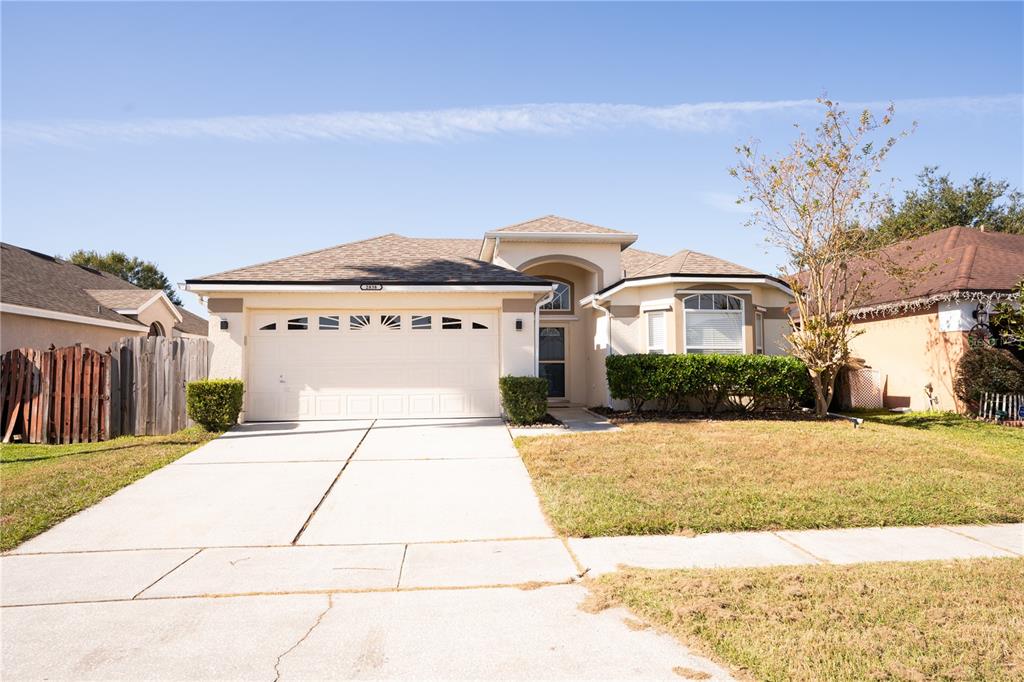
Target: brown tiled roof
[
  {"x": 192, "y": 323},
  {"x": 553, "y": 223},
  {"x": 634, "y": 260},
  {"x": 688, "y": 262},
  {"x": 123, "y": 299},
  {"x": 33, "y": 279},
  {"x": 388, "y": 259},
  {"x": 946, "y": 261}
]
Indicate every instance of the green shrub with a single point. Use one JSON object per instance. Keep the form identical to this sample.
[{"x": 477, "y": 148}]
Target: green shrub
[
  {"x": 750, "y": 383},
  {"x": 214, "y": 403},
  {"x": 987, "y": 370},
  {"x": 525, "y": 399}
]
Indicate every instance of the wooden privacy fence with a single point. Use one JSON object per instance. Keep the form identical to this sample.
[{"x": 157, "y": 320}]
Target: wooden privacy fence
[
  {"x": 55, "y": 396},
  {"x": 81, "y": 395},
  {"x": 148, "y": 383}
]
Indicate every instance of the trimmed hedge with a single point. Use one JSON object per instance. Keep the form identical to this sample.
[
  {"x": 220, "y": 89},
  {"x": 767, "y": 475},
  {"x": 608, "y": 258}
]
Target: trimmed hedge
[
  {"x": 214, "y": 403},
  {"x": 525, "y": 399},
  {"x": 748, "y": 383},
  {"x": 987, "y": 370}
]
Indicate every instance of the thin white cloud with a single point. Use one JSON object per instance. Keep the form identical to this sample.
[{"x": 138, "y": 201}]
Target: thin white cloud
[
  {"x": 724, "y": 201},
  {"x": 454, "y": 124}
]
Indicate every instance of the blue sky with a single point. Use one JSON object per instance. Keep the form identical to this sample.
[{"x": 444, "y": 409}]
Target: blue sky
[{"x": 205, "y": 137}]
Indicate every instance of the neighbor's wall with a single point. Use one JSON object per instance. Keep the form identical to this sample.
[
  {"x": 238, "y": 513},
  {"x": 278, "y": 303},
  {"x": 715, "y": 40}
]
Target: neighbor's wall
[
  {"x": 158, "y": 312},
  {"x": 23, "y": 331},
  {"x": 911, "y": 352}
]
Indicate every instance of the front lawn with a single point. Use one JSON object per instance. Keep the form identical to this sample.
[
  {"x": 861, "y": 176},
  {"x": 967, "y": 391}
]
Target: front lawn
[
  {"x": 704, "y": 476},
  {"x": 932, "y": 620},
  {"x": 44, "y": 484}
]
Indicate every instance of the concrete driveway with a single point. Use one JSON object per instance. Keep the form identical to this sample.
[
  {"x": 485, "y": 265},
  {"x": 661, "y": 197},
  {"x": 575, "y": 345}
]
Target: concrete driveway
[{"x": 319, "y": 550}]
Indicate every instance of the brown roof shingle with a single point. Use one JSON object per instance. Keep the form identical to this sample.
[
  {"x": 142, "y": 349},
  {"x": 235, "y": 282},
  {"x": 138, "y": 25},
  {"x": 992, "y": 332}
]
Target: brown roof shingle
[
  {"x": 35, "y": 280},
  {"x": 123, "y": 299},
  {"x": 635, "y": 260},
  {"x": 688, "y": 262},
  {"x": 553, "y": 223},
  {"x": 192, "y": 323},
  {"x": 949, "y": 260},
  {"x": 388, "y": 259}
]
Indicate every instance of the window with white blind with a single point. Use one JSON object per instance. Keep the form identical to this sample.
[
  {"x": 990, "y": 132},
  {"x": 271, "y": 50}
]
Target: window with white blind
[
  {"x": 656, "y": 331},
  {"x": 713, "y": 323},
  {"x": 759, "y": 333}
]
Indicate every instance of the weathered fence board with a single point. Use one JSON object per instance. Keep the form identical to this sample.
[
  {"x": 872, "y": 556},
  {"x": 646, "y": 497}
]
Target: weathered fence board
[{"x": 77, "y": 394}]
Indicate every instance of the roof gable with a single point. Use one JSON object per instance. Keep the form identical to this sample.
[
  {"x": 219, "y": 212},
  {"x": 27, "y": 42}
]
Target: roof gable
[{"x": 557, "y": 224}]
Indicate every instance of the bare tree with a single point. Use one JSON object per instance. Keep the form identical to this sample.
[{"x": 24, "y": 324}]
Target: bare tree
[{"x": 815, "y": 202}]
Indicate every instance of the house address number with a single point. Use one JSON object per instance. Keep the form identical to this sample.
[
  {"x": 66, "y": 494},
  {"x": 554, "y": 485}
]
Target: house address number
[{"x": 371, "y": 287}]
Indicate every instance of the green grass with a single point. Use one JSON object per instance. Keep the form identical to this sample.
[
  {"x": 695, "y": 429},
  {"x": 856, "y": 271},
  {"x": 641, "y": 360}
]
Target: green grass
[
  {"x": 706, "y": 476},
  {"x": 960, "y": 620},
  {"x": 41, "y": 485}
]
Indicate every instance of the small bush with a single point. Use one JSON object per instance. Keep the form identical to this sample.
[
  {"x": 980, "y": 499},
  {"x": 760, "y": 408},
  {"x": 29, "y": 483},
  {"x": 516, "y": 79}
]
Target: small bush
[
  {"x": 214, "y": 403},
  {"x": 987, "y": 370},
  {"x": 749, "y": 383},
  {"x": 525, "y": 399}
]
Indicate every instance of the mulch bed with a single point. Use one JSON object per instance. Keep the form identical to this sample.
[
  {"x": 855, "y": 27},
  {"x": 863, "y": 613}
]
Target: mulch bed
[
  {"x": 624, "y": 416},
  {"x": 546, "y": 422}
]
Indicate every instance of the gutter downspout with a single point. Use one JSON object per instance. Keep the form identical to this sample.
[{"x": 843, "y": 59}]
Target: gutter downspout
[
  {"x": 608, "y": 319},
  {"x": 536, "y": 329}
]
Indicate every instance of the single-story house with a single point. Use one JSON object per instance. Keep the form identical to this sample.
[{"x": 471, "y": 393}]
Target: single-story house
[
  {"x": 914, "y": 328},
  {"x": 48, "y": 301},
  {"x": 398, "y": 326}
]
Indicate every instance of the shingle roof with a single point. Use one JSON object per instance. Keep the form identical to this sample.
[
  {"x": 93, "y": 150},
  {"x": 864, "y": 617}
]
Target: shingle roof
[
  {"x": 123, "y": 299},
  {"x": 192, "y": 323},
  {"x": 32, "y": 279},
  {"x": 688, "y": 262},
  {"x": 553, "y": 223},
  {"x": 634, "y": 260},
  {"x": 946, "y": 261},
  {"x": 388, "y": 259}
]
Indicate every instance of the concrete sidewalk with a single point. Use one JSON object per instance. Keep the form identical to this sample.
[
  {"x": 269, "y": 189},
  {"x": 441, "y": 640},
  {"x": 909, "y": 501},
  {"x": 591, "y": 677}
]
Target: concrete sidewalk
[{"x": 789, "y": 548}]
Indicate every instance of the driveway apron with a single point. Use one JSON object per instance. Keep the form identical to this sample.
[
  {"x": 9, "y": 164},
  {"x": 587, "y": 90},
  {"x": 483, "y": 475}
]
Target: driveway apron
[{"x": 316, "y": 550}]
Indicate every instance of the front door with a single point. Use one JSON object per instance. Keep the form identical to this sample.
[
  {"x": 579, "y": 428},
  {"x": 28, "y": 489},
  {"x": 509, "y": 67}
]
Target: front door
[{"x": 552, "y": 360}]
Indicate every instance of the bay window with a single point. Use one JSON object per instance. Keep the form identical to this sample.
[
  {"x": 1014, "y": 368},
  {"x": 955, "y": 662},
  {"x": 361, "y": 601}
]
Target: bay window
[{"x": 713, "y": 323}]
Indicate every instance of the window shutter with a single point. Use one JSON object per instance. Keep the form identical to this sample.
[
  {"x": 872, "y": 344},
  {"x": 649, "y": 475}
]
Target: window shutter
[
  {"x": 716, "y": 331},
  {"x": 656, "y": 331}
]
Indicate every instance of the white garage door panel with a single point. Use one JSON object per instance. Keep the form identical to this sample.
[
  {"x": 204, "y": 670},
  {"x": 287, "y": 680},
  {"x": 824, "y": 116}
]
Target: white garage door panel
[{"x": 372, "y": 371}]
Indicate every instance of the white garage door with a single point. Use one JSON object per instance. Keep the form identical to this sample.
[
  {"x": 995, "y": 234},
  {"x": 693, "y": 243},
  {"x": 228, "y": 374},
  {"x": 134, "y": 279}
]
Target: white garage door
[{"x": 347, "y": 365}]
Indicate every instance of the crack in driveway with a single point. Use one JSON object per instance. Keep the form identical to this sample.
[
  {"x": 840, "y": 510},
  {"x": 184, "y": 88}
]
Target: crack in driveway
[{"x": 293, "y": 647}]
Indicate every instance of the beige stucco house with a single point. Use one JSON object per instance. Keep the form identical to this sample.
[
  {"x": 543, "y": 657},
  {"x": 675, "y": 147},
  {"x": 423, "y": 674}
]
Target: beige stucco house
[
  {"x": 913, "y": 330},
  {"x": 48, "y": 301},
  {"x": 409, "y": 327}
]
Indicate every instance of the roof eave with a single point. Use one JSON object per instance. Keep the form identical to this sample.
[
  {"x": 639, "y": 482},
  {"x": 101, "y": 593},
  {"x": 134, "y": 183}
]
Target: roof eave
[
  {"x": 689, "y": 277},
  {"x": 624, "y": 239}
]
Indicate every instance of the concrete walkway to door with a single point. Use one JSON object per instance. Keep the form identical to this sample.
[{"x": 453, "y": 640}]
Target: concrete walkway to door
[{"x": 387, "y": 549}]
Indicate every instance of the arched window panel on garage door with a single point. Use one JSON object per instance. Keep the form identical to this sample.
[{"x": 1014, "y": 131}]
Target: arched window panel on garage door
[{"x": 263, "y": 323}]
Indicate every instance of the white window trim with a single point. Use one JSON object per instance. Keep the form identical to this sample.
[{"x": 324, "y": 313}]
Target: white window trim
[
  {"x": 663, "y": 348},
  {"x": 741, "y": 312},
  {"x": 660, "y": 304},
  {"x": 568, "y": 298},
  {"x": 758, "y": 324}
]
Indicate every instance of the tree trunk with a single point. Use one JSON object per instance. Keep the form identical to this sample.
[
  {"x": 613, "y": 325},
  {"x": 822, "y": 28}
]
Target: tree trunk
[{"x": 824, "y": 387}]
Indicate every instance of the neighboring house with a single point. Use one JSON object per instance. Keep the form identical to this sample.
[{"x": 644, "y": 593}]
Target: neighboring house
[
  {"x": 403, "y": 327},
  {"x": 47, "y": 301},
  {"x": 914, "y": 328}
]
